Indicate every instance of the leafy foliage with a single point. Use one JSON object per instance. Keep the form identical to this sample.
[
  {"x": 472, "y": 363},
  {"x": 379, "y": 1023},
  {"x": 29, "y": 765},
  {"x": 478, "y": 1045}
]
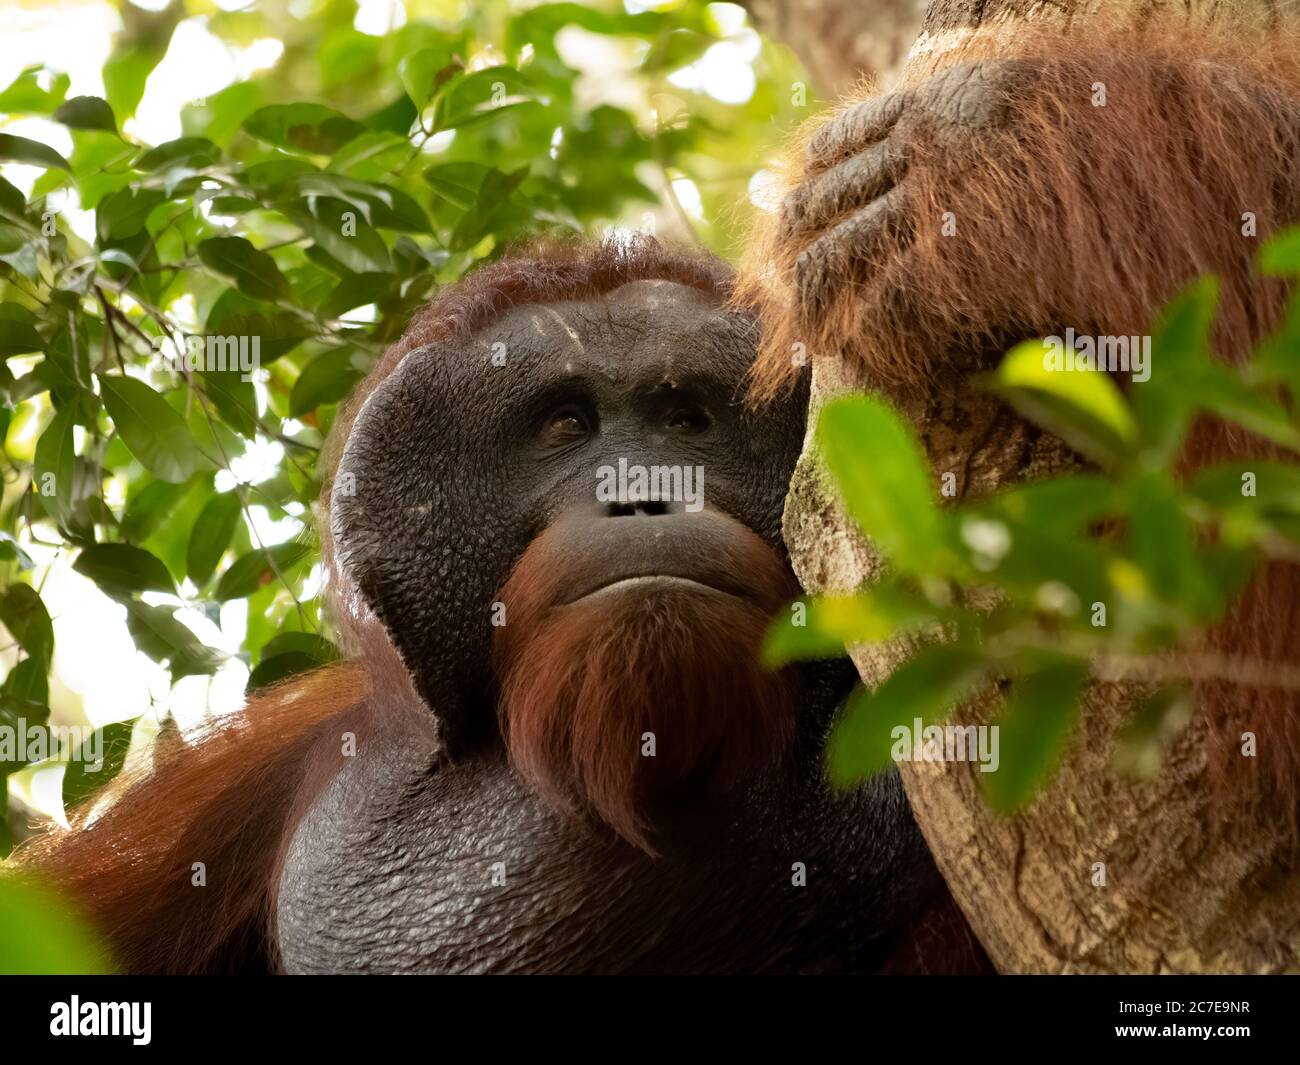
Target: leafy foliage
[
  {"x": 1093, "y": 574},
  {"x": 302, "y": 214}
]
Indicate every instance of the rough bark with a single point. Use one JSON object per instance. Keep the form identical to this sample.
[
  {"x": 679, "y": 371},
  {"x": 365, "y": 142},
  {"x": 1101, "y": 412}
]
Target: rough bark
[
  {"x": 1191, "y": 884},
  {"x": 840, "y": 42}
]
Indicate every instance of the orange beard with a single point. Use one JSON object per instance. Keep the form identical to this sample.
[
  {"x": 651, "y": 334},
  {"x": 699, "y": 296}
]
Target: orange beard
[{"x": 583, "y": 684}]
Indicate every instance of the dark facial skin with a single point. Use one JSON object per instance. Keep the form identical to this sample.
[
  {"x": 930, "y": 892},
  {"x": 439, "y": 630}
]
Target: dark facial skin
[
  {"x": 460, "y": 463},
  {"x": 428, "y": 853}
]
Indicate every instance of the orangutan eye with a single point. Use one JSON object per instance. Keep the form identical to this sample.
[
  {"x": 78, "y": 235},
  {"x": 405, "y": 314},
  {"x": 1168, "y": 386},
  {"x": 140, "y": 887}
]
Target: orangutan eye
[
  {"x": 566, "y": 425},
  {"x": 690, "y": 419}
]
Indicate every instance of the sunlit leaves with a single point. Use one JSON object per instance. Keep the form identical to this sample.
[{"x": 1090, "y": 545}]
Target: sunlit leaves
[
  {"x": 193, "y": 151},
  {"x": 1180, "y": 347},
  {"x": 27, "y": 95},
  {"x": 155, "y": 433},
  {"x": 885, "y": 480},
  {"x": 291, "y": 653},
  {"x": 211, "y": 536},
  {"x": 96, "y": 762},
  {"x": 87, "y": 112},
  {"x": 159, "y": 634},
  {"x": 260, "y": 566},
  {"x": 473, "y": 97},
  {"x": 1082, "y": 406},
  {"x": 56, "y": 460},
  {"x": 23, "y": 613},
  {"x": 326, "y": 379},
  {"x": 312, "y": 128},
  {"x": 422, "y": 72},
  {"x": 121, "y": 569},
  {"x": 1281, "y": 255},
  {"x": 254, "y": 271},
  {"x": 824, "y": 627},
  {"x": 22, "y": 150}
]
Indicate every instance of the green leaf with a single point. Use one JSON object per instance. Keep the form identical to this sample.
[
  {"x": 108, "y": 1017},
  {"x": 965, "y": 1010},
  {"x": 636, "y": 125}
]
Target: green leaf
[
  {"x": 1067, "y": 504},
  {"x": 221, "y": 115},
  {"x": 155, "y": 433},
  {"x": 249, "y": 572},
  {"x": 21, "y": 150},
  {"x": 17, "y": 334},
  {"x": 159, "y": 635},
  {"x": 149, "y": 507},
  {"x": 194, "y": 151},
  {"x": 41, "y": 934},
  {"x": 28, "y": 684},
  {"x": 491, "y": 203},
  {"x": 96, "y": 762},
  {"x": 867, "y": 737},
  {"x": 211, "y": 535},
  {"x": 120, "y": 569},
  {"x": 11, "y": 551},
  {"x": 306, "y": 127},
  {"x": 23, "y": 613},
  {"x": 326, "y": 379},
  {"x": 254, "y": 271},
  {"x": 127, "y": 71},
  {"x": 884, "y": 478},
  {"x": 235, "y": 315},
  {"x": 12, "y": 201},
  {"x": 381, "y": 205},
  {"x": 288, "y": 654},
  {"x": 419, "y": 73},
  {"x": 1083, "y": 407},
  {"x": 1280, "y": 257},
  {"x": 25, "y": 95},
  {"x": 458, "y": 183},
  {"x": 1033, "y": 733},
  {"x": 124, "y": 213},
  {"x": 357, "y": 291},
  {"x": 1180, "y": 353},
  {"x": 359, "y": 252},
  {"x": 1222, "y": 390},
  {"x": 56, "y": 466},
  {"x": 483, "y": 94},
  {"x": 824, "y": 627},
  {"x": 87, "y": 112},
  {"x": 1164, "y": 540}
]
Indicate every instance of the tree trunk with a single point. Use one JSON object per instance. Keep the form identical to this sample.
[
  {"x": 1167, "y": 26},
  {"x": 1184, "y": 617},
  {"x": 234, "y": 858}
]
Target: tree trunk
[
  {"x": 840, "y": 42},
  {"x": 1100, "y": 875}
]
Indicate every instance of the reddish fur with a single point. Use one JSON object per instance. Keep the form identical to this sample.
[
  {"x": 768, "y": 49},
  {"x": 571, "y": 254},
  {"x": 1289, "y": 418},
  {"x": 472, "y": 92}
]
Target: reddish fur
[
  {"x": 582, "y": 682},
  {"x": 223, "y": 798},
  {"x": 1072, "y": 215},
  {"x": 1092, "y": 217}
]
